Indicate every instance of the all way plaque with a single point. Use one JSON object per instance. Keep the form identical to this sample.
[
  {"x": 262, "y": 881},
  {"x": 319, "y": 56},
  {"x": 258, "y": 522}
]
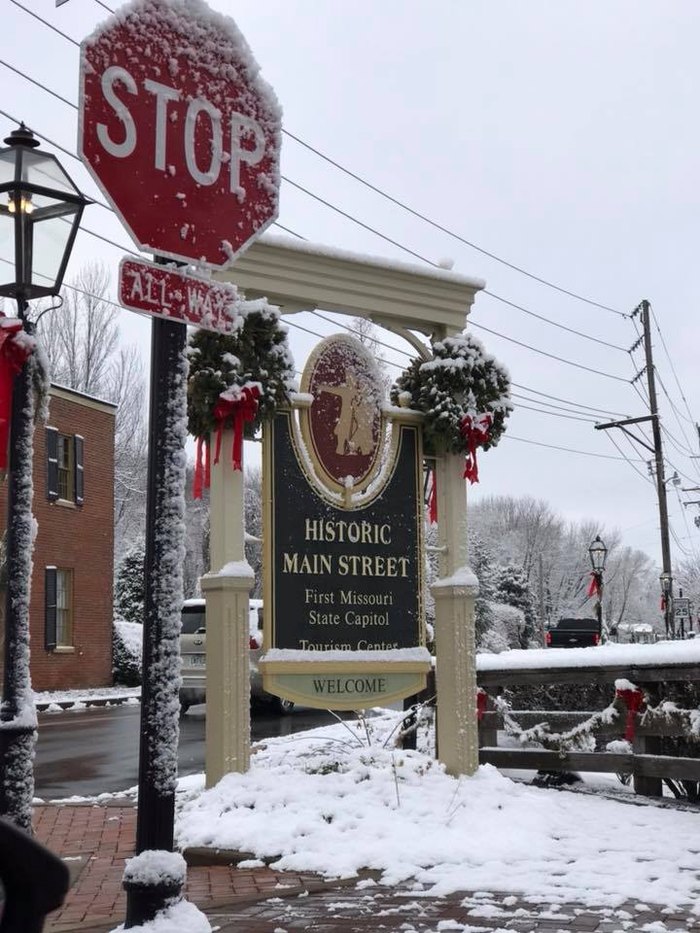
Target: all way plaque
[{"x": 344, "y": 540}]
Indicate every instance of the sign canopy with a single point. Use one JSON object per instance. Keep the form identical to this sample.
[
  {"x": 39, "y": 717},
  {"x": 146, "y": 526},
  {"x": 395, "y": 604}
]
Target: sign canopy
[{"x": 179, "y": 130}]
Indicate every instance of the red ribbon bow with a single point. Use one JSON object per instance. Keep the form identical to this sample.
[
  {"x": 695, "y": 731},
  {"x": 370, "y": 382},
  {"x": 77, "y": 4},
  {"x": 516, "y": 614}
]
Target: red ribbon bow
[
  {"x": 236, "y": 406},
  {"x": 633, "y": 699},
  {"x": 594, "y": 585},
  {"x": 481, "y": 701},
  {"x": 476, "y": 431},
  {"x": 15, "y": 350},
  {"x": 432, "y": 499},
  {"x": 239, "y": 405},
  {"x": 202, "y": 468}
]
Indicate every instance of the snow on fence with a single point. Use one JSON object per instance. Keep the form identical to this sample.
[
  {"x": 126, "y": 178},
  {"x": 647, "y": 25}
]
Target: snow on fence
[{"x": 634, "y": 724}]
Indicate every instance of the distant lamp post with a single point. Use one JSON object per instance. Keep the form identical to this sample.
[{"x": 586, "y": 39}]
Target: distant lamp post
[
  {"x": 40, "y": 211},
  {"x": 598, "y": 554}
]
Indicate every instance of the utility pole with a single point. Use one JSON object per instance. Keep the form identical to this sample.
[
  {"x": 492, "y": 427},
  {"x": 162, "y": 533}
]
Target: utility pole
[
  {"x": 644, "y": 311},
  {"x": 667, "y": 575}
]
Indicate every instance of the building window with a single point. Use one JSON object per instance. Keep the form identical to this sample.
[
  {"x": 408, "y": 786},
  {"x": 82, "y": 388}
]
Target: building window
[
  {"x": 64, "y": 466},
  {"x": 58, "y": 608}
]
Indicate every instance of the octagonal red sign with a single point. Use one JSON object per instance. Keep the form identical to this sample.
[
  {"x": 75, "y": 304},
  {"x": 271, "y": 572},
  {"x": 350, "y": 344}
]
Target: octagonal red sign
[{"x": 179, "y": 130}]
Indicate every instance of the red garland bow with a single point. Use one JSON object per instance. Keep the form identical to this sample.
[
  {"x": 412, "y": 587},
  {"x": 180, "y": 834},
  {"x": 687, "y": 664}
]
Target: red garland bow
[
  {"x": 481, "y": 701},
  {"x": 202, "y": 468},
  {"x": 476, "y": 431},
  {"x": 239, "y": 404},
  {"x": 432, "y": 499},
  {"x": 15, "y": 350},
  {"x": 236, "y": 405},
  {"x": 633, "y": 699},
  {"x": 594, "y": 585}
]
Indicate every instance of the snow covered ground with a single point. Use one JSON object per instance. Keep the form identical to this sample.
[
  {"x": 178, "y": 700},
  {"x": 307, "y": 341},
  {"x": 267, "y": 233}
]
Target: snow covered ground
[
  {"x": 340, "y": 799},
  {"x": 55, "y": 701}
]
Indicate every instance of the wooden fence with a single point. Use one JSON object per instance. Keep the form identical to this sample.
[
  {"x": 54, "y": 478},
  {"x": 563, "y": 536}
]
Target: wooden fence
[{"x": 647, "y": 767}]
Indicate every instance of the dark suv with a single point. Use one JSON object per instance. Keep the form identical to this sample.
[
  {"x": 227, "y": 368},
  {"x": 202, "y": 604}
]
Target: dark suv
[{"x": 573, "y": 633}]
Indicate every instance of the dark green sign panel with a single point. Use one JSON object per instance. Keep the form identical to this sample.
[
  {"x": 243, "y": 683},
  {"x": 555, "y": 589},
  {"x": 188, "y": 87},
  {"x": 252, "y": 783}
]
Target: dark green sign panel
[{"x": 345, "y": 576}]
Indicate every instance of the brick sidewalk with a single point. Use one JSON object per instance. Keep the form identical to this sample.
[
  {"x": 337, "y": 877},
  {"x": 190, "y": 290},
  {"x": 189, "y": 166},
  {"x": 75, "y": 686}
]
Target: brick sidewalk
[{"x": 96, "y": 840}]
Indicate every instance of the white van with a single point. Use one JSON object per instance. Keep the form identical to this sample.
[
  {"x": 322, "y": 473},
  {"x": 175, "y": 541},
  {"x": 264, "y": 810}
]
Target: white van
[{"x": 193, "y": 653}]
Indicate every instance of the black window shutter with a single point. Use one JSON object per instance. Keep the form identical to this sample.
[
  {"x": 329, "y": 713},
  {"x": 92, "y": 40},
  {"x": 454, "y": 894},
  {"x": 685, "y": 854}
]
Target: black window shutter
[
  {"x": 51, "y": 464},
  {"x": 50, "y": 608},
  {"x": 78, "y": 451}
]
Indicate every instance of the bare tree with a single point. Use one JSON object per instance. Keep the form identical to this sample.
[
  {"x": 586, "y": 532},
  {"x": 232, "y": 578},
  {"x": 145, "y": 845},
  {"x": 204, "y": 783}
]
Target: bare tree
[{"x": 82, "y": 343}]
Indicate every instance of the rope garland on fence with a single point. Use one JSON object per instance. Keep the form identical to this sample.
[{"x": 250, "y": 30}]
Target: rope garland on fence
[
  {"x": 580, "y": 737},
  {"x": 628, "y": 701}
]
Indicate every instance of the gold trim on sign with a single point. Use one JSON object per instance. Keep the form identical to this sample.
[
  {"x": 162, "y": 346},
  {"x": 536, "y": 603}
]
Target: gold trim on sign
[
  {"x": 268, "y": 533},
  {"x": 343, "y": 667}
]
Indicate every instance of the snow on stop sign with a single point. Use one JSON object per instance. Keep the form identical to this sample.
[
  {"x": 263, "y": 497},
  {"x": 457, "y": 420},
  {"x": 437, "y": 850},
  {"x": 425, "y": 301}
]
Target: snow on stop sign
[{"x": 179, "y": 130}]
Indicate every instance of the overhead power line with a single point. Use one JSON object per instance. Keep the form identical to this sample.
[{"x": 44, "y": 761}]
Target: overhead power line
[
  {"x": 570, "y": 450},
  {"x": 552, "y": 356},
  {"x": 354, "y": 219},
  {"x": 541, "y": 317},
  {"x": 673, "y": 368},
  {"x": 446, "y": 230},
  {"x": 557, "y": 398}
]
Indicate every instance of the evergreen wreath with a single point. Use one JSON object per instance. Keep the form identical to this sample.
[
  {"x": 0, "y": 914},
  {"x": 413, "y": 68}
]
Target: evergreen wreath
[
  {"x": 461, "y": 380},
  {"x": 256, "y": 352}
]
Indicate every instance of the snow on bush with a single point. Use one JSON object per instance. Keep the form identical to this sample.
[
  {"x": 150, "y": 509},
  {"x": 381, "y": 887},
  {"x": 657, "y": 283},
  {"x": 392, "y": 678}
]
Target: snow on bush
[
  {"x": 506, "y": 627},
  {"x": 127, "y": 645}
]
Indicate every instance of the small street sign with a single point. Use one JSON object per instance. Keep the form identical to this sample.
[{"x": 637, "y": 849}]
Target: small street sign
[
  {"x": 681, "y": 607},
  {"x": 176, "y": 296},
  {"x": 180, "y": 132}
]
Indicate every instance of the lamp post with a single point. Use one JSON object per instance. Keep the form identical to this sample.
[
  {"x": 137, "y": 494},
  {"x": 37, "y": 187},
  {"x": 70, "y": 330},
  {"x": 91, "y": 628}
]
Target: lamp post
[
  {"x": 598, "y": 554},
  {"x": 40, "y": 211}
]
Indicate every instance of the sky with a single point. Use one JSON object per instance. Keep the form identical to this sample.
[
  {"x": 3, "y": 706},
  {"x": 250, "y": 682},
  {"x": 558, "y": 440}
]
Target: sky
[{"x": 560, "y": 138}]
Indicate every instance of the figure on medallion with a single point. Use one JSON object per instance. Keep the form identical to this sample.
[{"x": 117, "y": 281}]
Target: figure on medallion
[{"x": 353, "y": 429}]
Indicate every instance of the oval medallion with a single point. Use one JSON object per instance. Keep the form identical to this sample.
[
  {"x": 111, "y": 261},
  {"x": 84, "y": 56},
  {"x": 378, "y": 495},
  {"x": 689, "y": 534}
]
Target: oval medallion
[{"x": 344, "y": 422}]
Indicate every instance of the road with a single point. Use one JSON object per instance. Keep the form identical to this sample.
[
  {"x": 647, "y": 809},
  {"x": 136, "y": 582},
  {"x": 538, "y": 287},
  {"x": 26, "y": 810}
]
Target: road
[{"x": 95, "y": 750}]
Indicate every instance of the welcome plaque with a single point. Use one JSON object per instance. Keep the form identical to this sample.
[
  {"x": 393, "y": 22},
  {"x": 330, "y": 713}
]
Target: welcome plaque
[{"x": 343, "y": 531}]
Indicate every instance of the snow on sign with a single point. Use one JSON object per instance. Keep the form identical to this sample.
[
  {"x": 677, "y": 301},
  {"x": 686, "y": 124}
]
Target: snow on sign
[
  {"x": 179, "y": 130},
  {"x": 177, "y": 296}
]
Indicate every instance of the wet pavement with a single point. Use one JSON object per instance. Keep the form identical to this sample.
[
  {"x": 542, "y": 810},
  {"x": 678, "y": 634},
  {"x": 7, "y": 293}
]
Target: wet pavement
[{"x": 96, "y": 840}]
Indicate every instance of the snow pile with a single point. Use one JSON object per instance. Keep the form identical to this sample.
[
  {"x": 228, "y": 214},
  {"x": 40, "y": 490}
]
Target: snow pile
[
  {"x": 156, "y": 866},
  {"x": 329, "y": 802},
  {"x": 182, "y": 917}
]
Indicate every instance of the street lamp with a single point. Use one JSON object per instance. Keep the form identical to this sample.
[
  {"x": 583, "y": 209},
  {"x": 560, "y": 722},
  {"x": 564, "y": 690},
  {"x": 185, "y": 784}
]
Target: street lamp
[
  {"x": 598, "y": 554},
  {"x": 40, "y": 211}
]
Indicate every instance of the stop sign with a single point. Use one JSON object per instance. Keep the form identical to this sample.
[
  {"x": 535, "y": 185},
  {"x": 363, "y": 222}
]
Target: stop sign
[{"x": 179, "y": 130}]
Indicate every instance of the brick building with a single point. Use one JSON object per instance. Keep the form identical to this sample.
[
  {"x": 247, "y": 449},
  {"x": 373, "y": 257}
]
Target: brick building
[{"x": 71, "y": 600}]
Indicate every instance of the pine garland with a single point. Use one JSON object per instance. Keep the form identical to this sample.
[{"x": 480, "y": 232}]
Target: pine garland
[
  {"x": 461, "y": 379},
  {"x": 257, "y": 352}
]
